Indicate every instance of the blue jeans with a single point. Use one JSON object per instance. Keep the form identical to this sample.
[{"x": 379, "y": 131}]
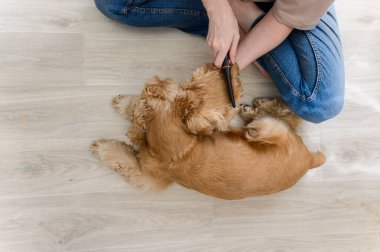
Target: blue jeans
[{"x": 307, "y": 68}]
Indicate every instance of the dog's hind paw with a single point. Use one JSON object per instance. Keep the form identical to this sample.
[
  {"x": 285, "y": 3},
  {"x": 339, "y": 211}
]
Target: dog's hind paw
[
  {"x": 247, "y": 113},
  {"x": 277, "y": 108}
]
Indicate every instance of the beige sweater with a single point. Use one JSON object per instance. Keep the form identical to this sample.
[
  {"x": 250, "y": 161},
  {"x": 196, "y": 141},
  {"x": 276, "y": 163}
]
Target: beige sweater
[{"x": 299, "y": 14}]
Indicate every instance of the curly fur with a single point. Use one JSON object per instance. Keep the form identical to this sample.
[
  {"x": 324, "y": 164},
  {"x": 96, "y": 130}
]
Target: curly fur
[{"x": 183, "y": 136}]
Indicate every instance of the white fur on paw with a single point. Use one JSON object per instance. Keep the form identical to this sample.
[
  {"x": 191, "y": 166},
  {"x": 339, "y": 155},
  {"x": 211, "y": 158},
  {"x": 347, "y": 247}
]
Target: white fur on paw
[
  {"x": 125, "y": 105},
  {"x": 119, "y": 102},
  {"x": 97, "y": 147}
]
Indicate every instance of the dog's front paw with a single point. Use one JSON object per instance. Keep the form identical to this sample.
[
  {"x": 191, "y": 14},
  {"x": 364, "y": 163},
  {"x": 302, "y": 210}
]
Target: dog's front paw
[
  {"x": 125, "y": 105},
  {"x": 107, "y": 148},
  {"x": 116, "y": 154},
  {"x": 96, "y": 147},
  {"x": 116, "y": 102}
]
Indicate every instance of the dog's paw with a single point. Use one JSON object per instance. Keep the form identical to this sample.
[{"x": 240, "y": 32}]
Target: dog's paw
[
  {"x": 106, "y": 148},
  {"x": 116, "y": 101},
  {"x": 274, "y": 106},
  {"x": 248, "y": 113},
  {"x": 261, "y": 102},
  {"x": 96, "y": 147},
  {"x": 125, "y": 105},
  {"x": 268, "y": 103}
]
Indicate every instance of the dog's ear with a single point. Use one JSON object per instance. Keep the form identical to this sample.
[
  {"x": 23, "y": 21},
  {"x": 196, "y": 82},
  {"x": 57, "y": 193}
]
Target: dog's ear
[
  {"x": 213, "y": 78},
  {"x": 188, "y": 109}
]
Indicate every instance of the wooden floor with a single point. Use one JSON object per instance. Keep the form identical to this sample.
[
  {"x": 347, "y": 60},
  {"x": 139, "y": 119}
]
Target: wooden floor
[{"x": 61, "y": 62}]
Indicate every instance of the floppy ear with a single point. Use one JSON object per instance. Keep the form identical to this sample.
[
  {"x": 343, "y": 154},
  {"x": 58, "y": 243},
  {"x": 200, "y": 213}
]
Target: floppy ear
[
  {"x": 187, "y": 107},
  {"x": 213, "y": 78},
  {"x": 198, "y": 123}
]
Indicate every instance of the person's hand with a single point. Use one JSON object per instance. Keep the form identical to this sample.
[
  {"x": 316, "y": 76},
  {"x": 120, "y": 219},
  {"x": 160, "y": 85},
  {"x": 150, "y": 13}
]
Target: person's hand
[{"x": 223, "y": 33}]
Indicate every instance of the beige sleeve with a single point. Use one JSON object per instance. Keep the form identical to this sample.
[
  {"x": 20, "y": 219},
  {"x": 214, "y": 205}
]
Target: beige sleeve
[{"x": 300, "y": 14}]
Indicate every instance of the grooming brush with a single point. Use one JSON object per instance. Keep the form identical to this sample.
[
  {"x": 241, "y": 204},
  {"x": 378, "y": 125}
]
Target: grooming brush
[{"x": 226, "y": 66}]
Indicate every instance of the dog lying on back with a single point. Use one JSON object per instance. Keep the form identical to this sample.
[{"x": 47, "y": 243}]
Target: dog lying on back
[{"x": 184, "y": 136}]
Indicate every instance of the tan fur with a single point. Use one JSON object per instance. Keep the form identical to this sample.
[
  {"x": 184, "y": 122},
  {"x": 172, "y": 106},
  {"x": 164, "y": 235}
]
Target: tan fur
[{"x": 183, "y": 135}]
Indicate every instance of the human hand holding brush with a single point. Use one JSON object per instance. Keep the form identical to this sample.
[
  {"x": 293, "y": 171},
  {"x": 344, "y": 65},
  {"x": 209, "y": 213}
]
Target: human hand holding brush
[{"x": 223, "y": 35}]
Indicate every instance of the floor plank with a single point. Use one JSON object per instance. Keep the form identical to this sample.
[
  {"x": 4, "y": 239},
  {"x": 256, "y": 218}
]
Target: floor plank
[
  {"x": 40, "y": 59},
  {"x": 101, "y": 220},
  {"x": 63, "y": 61},
  {"x": 301, "y": 243},
  {"x": 315, "y": 208}
]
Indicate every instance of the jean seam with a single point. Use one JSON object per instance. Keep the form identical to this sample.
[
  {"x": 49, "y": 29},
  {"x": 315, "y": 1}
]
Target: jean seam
[
  {"x": 287, "y": 82},
  {"x": 319, "y": 67},
  {"x": 282, "y": 75},
  {"x": 127, "y": 9}
]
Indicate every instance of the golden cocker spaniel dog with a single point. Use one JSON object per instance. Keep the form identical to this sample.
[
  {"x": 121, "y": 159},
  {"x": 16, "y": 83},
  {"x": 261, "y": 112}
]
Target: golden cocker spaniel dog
[{"x": 182, "y": 134}]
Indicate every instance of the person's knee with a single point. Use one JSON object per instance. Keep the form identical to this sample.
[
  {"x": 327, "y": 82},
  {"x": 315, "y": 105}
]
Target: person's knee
[
  {"x": 320, "y": 110},
  {"x": 326, "y": 111},
  {"x": 326, "y": 101}
]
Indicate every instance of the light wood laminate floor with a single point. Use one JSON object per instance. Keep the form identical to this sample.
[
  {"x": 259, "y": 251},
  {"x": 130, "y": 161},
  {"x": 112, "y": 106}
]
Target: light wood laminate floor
[{"x": 61, "y": 62}]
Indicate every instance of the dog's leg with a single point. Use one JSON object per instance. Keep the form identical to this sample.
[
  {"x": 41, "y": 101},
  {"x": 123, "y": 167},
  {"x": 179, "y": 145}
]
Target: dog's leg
[
  {"x": 268, "y": 130},
  {"x": 278, "y": 109},
  {"x": 125, "y": 105},
  {"x": 121, "y": 158}
]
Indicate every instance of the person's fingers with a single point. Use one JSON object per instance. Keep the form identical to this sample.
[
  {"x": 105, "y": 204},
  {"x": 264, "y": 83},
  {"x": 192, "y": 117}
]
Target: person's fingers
[
  {"x": 233, "y": 48},
  {"x": 212, "y": 44},
  {"x": 219, "y": 58}
]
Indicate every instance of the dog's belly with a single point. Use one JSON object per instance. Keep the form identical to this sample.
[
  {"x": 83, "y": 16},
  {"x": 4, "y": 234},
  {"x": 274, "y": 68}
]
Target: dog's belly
[{"x": 231, "y": 168}]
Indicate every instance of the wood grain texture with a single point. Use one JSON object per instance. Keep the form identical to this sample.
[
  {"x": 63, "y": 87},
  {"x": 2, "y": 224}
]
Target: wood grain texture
[
  {"x": 61, "y": 112},
  {"x": 318, "y": 207},
  {"x": 299, "y": 243},
  {"x": 40, "y": 59},
  {"x": 63, "y": 61},
  {"x": 361, "y": 50},
  {"x": 70, "y": 16},
  {"x": 358, "y": 15},
  {"x": 351, "y": 155},
  {"x": 97, "y": 220}
]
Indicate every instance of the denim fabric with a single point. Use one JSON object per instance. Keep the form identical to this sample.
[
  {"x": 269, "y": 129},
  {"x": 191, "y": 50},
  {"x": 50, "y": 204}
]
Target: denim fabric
[
  {"x": 187, "y": 15},
  {"x": 307, "y": 68}
]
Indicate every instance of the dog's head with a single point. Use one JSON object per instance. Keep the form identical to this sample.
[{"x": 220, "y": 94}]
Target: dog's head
[{"x": 199, "y": 106}]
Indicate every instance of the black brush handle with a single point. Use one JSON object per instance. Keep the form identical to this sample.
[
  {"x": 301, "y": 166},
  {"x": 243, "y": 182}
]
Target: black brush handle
[{"x": 226, "y": 66}]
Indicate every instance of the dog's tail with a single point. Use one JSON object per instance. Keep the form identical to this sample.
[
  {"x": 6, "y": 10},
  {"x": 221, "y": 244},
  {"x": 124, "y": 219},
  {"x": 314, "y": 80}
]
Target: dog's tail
[{"x": 317, "y": 159}]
